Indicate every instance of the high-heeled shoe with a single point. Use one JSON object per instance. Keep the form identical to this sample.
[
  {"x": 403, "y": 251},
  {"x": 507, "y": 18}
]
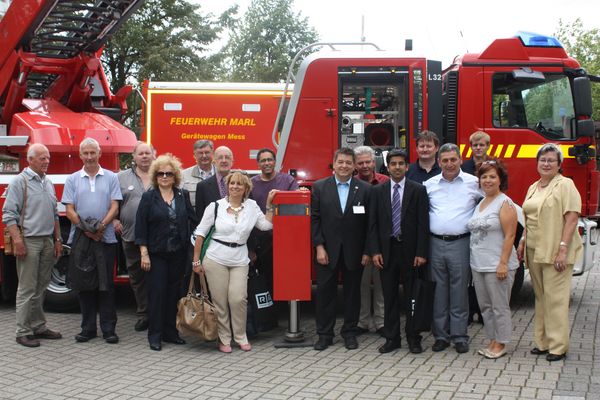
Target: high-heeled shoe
[
  {"x": 224, "y": 348},
  {"x": 246, "y": 346}
]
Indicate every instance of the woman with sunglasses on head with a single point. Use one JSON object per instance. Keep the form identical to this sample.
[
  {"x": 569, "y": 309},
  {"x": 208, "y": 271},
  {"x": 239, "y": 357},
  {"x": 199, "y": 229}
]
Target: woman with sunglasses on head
[
  {"x": 162, "y": 232},
  {"x": 226, "y": 260},
  {"x": 493, "y": 257},
  {"x": 551, "y": 245}
]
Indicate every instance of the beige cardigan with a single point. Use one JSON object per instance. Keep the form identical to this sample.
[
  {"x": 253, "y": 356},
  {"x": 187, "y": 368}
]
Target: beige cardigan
[{"x": 560, "y": 197}]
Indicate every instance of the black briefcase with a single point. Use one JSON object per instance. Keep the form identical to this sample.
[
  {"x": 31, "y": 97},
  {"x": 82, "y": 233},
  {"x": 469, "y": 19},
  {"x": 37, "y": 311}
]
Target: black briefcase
[{"x": 421, "y": 304}]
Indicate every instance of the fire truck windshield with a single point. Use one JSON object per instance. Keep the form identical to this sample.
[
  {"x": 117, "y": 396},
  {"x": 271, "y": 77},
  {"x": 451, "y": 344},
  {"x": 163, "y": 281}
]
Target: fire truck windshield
[{"x": 545, "y": 107}]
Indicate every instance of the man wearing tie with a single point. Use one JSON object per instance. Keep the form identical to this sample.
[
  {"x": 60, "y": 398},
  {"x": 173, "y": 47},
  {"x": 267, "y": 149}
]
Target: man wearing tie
[
  {"x": 214, "y": 188},
  {"x": 339, "y": 233},
  {"x": 399, "y": 230}
]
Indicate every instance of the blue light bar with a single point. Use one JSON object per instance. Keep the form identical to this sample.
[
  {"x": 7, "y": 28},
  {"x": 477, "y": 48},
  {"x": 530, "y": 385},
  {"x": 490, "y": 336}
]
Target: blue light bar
[{"x": 531, "y": 39}]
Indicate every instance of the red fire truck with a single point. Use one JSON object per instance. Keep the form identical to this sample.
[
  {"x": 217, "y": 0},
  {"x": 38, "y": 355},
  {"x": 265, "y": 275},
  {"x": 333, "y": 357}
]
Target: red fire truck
[
  {"x": 237, "y": 115},
  {"x": 524, "y": 91},
  {"x": 53, "y": 91}
]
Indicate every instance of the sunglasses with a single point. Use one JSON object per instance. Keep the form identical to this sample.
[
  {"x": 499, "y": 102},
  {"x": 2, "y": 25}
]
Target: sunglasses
[{"x": 165, "y": 174}]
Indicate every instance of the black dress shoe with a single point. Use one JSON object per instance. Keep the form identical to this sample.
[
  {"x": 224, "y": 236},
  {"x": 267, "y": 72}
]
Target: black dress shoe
[
  {"x": 141, "y": 325},
  {"x": 110, "y": 337},
  {"x": 461, "y": 347},
  {"x": 351, "y": 343},
  {"x": 389, "y": 346},
  {"x": 28, "y": 341},
  {"x": 84, "y": 336},
  {"x": 440, "y": 345},
  {"x": 176, "y": 340},
  {"x": 155, "y": 346},
  {"x": 538, "y": 352},
  {"x": 414, "y": 346},
  {"x": 323, "y": 343},
  {"x": 555, "y": 357}
]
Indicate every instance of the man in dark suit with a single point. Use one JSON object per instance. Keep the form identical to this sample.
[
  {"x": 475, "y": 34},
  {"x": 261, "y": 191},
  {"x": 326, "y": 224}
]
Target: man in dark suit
[
  {"x": 339, "y": 233},
  {"x": 399, "y": 233},
  {"x": 214, "y": 188}
]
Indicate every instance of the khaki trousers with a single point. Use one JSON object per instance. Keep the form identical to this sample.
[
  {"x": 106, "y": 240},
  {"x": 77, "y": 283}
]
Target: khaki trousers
[
  {"x": 33, "y": 272},
  {"x": 229, "y": 291},
  {"x": 552, "y": 295},
  {"x": 371, "y": 274}
]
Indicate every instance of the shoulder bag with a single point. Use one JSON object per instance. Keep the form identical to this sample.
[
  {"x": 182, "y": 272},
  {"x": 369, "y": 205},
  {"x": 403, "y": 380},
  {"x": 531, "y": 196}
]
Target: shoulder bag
[{"x": 196, "y": 315}]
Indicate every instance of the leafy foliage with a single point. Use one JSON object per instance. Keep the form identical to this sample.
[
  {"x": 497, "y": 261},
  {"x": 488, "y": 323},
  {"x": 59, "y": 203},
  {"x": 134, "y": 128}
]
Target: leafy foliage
[
  {"x": 584, "y": 46},
  {"x": 263, "y": 44}
]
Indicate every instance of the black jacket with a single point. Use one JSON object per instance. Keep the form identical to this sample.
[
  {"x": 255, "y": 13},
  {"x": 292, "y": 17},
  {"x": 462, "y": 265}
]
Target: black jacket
[
  {"x": 152, "y": 220},
  {"x": 207, "y": 191},
  {"x": 414, "y": 220},
  {"x": 341, "y": 231}
]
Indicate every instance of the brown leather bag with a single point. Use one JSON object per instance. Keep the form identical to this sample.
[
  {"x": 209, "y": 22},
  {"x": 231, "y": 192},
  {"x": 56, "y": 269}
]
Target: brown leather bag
[
  {"x": 9, "y": 247},
  {"x": 196, "y": 315}
]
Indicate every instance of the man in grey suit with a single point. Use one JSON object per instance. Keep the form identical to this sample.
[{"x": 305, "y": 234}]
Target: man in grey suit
[{"x": 339, "y": 233}]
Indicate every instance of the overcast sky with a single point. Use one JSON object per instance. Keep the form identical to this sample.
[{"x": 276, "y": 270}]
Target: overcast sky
[{"x": 440, "y": 30}]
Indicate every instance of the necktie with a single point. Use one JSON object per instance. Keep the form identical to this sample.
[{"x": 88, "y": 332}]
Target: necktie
[
  {"x": 396, "y": 209},
  {"x": 222, "y": 188}
]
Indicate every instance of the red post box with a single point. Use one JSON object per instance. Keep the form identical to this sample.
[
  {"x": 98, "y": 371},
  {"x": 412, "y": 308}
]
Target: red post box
[{"x": 291, "y": 246}]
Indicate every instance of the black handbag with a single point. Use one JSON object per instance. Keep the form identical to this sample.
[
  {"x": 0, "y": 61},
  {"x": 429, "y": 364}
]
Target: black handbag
[
  {"x": 261, "y": 308},
  {"x": 421, "y": 303}
]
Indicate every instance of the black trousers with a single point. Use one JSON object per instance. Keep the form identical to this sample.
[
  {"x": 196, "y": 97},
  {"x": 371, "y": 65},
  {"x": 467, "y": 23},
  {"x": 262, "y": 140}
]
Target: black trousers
[
  {"x": 101, "y": 302},
  {"x": 397, "y": 268},
  {"x": 326, "y": 294},
  {"x": 164, "y": 284}
]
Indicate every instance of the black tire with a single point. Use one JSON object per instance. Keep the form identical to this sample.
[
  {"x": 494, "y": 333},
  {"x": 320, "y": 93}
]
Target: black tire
[
  {"x": 59, "y": 297},
  {"x": 8, "y": 288}
]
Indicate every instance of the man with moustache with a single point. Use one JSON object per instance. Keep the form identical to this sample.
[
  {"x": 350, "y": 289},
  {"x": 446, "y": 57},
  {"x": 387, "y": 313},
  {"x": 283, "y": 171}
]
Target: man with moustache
[
  {"x": 339, "y": 226},
  {"x": 133, "y": 183},
  {"x": 453, "y": 195}
]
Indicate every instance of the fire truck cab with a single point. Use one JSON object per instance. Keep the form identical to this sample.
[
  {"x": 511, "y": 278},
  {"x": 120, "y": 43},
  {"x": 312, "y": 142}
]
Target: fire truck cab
[{"x": 523, "y": 91}]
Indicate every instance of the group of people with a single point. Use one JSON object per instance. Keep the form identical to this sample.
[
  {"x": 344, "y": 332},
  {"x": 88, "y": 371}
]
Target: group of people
[
  {"x": 449, "y": 220},
  {"x": 437, "y": 218}
]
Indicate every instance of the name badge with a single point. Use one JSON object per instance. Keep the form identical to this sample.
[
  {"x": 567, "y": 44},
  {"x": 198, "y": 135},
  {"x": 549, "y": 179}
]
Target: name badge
[{"x": 358, "y": 209}]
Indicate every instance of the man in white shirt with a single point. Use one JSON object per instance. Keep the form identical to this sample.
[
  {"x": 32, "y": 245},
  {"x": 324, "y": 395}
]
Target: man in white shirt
[{"x": 453, "y": 195}]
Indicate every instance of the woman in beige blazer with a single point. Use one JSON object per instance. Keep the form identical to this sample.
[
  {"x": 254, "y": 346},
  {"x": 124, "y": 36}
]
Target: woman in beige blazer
[{"x": 551, "y": 245}]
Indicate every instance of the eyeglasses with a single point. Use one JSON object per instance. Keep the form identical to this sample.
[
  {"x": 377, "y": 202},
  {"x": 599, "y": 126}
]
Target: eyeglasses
[
  {"x": 489, "y": 162},
  {"x": 547, "y": 160},
  {"x": 165, "y": 174}
]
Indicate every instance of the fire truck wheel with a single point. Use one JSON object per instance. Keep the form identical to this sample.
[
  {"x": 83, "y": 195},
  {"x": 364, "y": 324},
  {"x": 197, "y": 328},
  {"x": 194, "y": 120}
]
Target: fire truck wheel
[
  {"x": 8, "y": 282},
  {"x": 58, "y": 296}
]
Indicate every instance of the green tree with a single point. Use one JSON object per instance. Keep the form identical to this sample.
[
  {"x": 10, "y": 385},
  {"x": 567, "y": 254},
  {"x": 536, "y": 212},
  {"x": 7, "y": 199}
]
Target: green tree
[
  {"x": 262, "y": 45},
  {"x": 164, "y": 40},
  {"x": 583, "y": 45}
]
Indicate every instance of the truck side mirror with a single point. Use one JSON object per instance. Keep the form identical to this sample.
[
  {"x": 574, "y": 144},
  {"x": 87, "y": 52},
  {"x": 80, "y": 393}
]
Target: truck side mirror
[
  {"x": 585, "y": 127},
  {"x": 582, "y": 95}
]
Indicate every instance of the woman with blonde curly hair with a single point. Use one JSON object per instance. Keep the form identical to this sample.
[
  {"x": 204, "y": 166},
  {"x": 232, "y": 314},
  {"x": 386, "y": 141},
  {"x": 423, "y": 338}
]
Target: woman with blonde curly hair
[{"x": 162, "y": 232}]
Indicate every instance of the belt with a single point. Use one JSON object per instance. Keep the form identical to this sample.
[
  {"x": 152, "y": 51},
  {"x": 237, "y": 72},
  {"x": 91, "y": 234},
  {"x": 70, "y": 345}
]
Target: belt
[
  {"x": 228, "y": 244},
  {"x": 451, "y": 238},
  {"x": 397, "y": 238}
]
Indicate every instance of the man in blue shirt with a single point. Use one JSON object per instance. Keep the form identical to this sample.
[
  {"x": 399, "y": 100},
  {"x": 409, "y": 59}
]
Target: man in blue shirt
[{"x": 91, "y": 197}]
